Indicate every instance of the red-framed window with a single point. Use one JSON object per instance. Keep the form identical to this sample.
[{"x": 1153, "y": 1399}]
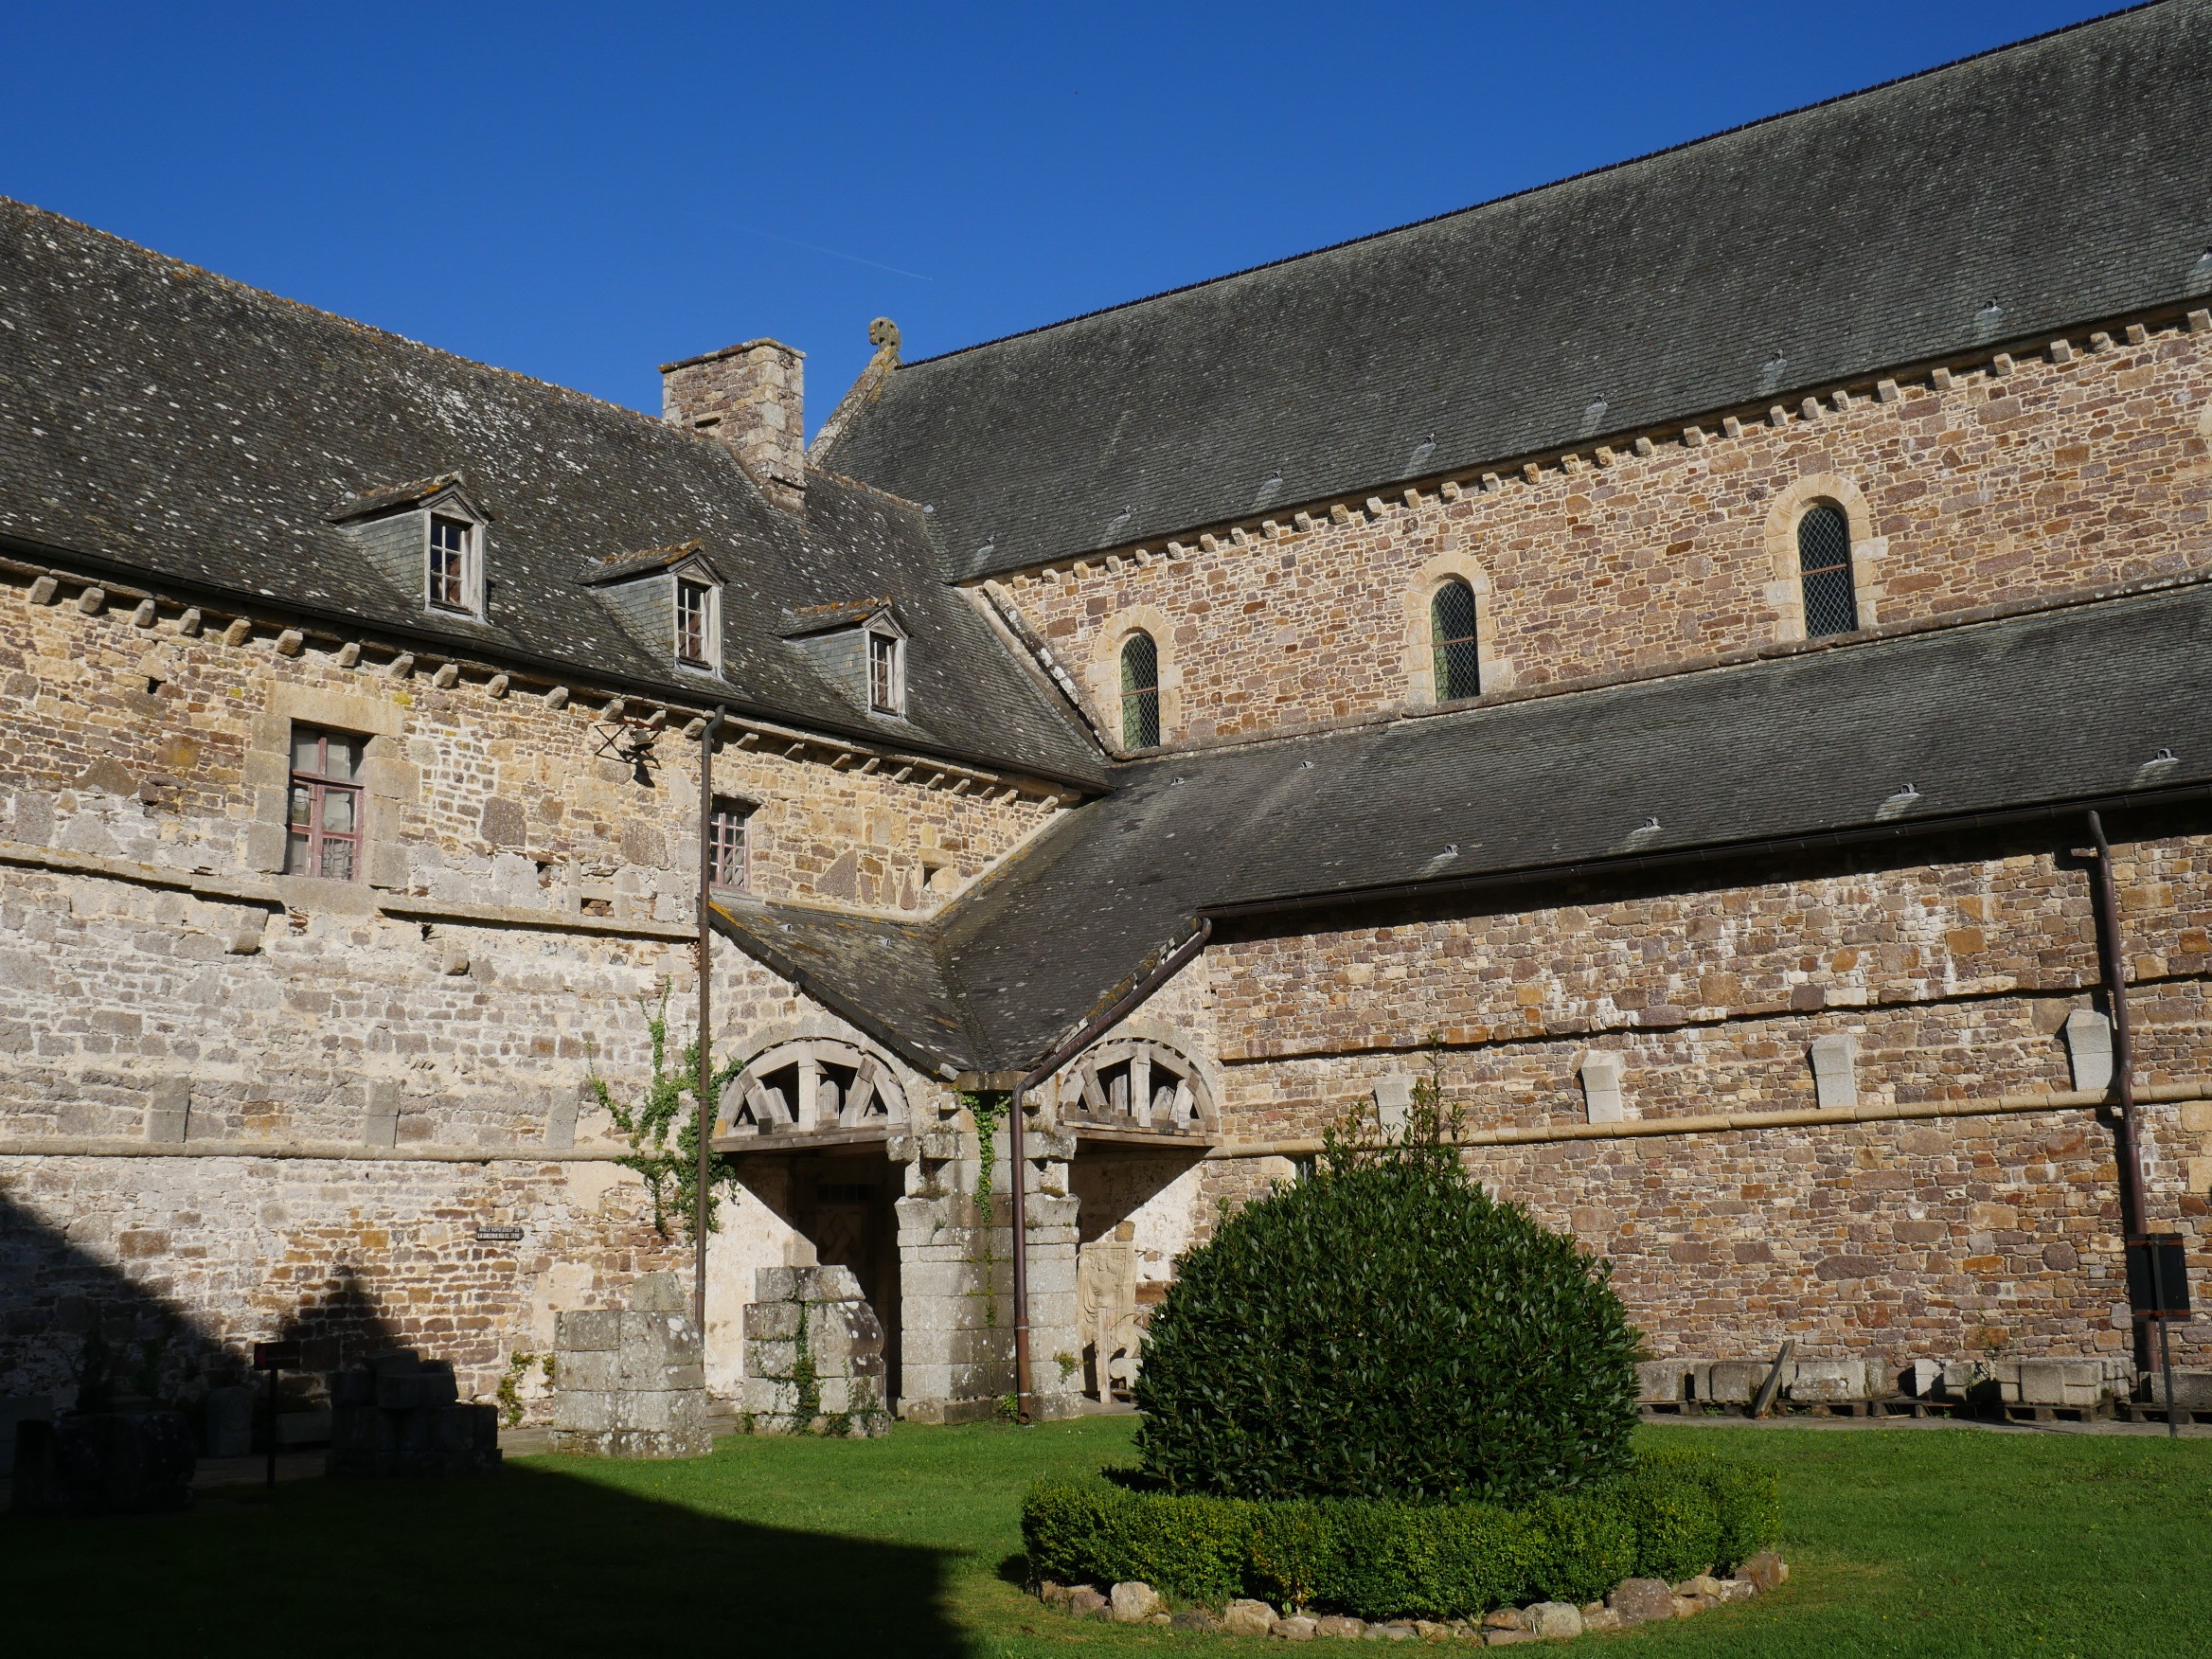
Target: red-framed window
[
  {"x": 324, "y": 817},
  {"x": 725, "y": 842}
]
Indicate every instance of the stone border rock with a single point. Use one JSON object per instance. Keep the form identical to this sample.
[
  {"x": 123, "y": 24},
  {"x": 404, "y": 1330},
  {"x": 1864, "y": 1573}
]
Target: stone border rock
[{"x": 1633, "y": 1602}]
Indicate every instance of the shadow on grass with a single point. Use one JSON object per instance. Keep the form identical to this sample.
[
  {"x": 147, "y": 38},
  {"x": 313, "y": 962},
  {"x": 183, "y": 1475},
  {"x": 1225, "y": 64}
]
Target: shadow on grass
[{"x": 538, "y": 1560}]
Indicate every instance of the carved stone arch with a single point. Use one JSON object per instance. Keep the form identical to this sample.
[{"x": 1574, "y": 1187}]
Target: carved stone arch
[
  {"x": 818, "y": 1080},
  {"x": 1419, "y": 663},
  {"x": 1786, "y": 592},
  {"x": 1138, "y": 1079},
  {"x": 1103, "y": 674}
]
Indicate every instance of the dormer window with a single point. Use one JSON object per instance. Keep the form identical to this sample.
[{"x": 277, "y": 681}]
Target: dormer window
[
  {"x": 453, "y": 550},
  {"x": 887, "y": 673},
  {"x": 668, "y": 600},
  {"x": 696, "y": 633},
  {"x": 426, "y": 538}
]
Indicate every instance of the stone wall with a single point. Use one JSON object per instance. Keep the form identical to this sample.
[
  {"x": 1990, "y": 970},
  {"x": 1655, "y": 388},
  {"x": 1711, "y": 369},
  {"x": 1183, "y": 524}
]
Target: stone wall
[
  {"x": 2020, "y": 479},
  {"x": 158, "y": 744},
  {"x": 1892, "y": 1239}
]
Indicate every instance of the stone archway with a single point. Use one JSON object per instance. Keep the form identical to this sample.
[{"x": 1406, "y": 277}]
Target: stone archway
[
  {"x": 812, "y": 1083},
  {"x": 1142, "y": 1112},
  {"x": 809, "y": 1123},
  {"x": 1138, "y": 1083}
]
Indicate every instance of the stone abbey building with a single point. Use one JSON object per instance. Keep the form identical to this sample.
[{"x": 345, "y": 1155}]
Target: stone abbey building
[{"x": 1660, "y": 649}]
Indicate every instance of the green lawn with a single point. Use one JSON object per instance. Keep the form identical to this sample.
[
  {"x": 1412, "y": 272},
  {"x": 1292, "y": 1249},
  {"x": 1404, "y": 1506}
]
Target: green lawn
[{"x": 1948, "y": 1542}]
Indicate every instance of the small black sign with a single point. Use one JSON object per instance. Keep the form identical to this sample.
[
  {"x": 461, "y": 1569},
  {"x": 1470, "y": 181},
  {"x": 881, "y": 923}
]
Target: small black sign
[
  {"x": 499, "y": 1235},
  {"x": 277, "y": 1356},
  {"x": 2158, "y": 1275}
]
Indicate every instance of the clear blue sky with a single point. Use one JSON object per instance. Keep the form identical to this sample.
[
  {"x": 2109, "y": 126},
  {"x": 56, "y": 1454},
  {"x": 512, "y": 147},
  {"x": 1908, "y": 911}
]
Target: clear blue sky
[{"x": 582, "y": 192}]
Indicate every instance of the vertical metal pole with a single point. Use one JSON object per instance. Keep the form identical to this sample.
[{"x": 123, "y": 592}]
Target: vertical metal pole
[
  {"x": 2173, "y": 1421},
  {"x": 272, "y": 1481},
  {"x": 2112, "y": 949},
  {"x": 706, "y": 741},
  {"x": 1017, "y": 1172}
]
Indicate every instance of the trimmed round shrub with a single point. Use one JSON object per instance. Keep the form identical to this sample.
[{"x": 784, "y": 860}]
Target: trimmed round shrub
[
  {"x": 1383, "y": 1328},
  {"x": 1380, "y": 1559}
]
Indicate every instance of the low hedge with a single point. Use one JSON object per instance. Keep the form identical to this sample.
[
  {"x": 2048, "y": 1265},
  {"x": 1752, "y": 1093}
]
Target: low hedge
[{"x": 1673, "y": 1515}]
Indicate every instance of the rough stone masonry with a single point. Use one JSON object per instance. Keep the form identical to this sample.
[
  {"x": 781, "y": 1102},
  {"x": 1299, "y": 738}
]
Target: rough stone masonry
[{"x": 355, "y": 702}]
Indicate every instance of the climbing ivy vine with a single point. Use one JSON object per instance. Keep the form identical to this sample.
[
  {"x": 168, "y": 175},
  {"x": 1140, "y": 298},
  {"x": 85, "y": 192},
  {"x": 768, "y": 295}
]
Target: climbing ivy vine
[
  {"x": 988, "y": 1111},
  {"x": 663, "y": 1128}
]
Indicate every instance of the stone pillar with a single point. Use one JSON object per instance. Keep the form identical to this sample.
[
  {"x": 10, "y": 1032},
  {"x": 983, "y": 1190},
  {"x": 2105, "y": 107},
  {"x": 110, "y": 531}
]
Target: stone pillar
[
  {"x": 813, "y": 1355},
  {"x": 632, "y": 1384},
  {"x": 956, "y": 1280}
]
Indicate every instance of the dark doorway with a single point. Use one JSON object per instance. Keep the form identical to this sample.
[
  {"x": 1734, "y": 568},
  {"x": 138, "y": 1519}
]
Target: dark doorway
[{"x": 843, "y": 1204}]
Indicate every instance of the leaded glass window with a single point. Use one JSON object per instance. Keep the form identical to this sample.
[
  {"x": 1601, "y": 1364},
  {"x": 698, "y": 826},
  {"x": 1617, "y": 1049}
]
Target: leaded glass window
[
  {"x": 1451, "y": 642},
  {"x": 1140, "y": 693},
  {"x": 1824, "y": 556}
]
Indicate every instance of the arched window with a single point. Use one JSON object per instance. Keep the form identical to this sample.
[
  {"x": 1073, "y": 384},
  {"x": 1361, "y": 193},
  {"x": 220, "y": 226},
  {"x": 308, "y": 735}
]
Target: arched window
[
  {"x": 1140, "y": 693},
  {"x": 1824, "y": 561},
  {"x": 1451, "y": 641}
]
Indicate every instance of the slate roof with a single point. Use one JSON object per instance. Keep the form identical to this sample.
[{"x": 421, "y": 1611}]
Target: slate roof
[
  {"x": 2063, "y": 178},
  {"x": 2055, "y": 706},
  {"x": 171, "y": 422}
]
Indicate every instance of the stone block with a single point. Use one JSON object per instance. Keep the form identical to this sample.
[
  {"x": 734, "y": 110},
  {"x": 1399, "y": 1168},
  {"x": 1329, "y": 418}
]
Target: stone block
[
  {"x": 1835, "y": 1060},
  {"x": 775, "y": 1284},
  {"x": 1735, "y": 1382},
  {"x": 1601, "y": 1086},
  {"x": 1826, "y": 1380},
  {"x": 588, "y": 1370},
  {"x": 770, "y": 1396},
  {"x": 825, "y": 1284},
  {"x": 2089, "y": 1049},
  {"x": 103, "y": 1463},
  {"x": 168, "y": 1111},
  {"x": 772, "y": 1321},
  {"x": 1662, "y": 1381},
  {"x": 587, "y": 1332},
  {"x": 572, "y": 1408},
  {"x": 771, "y": 1359},
  {"x": 2069, "y": 1383},
  {"x": 424, "y": 1389},
  {"x": 1765, "y": 1570},
  {"x": 226, "y": 1419},
  {"x": 304, "y": 1428},
  {"x": 2192, "y": 1389},
  {"x": 20, "y": 1408}
]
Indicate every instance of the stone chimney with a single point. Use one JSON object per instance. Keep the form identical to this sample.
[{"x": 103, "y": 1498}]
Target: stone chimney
[{"x": 751, "y": 397}]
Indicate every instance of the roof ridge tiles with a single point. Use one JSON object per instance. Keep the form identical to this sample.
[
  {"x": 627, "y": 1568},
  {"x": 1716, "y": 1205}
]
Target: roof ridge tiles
[
  {"x": 247, "y": 290},
  {"x": 1527, "y": 191}
]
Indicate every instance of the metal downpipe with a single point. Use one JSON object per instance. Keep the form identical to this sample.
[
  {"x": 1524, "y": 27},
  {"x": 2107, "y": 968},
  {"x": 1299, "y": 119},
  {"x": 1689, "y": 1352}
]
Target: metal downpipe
[{"x": 706, "y": 741}]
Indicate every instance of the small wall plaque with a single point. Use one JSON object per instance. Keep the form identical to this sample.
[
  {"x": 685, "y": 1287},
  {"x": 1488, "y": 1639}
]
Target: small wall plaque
[{"x": 499, "y": 1235}]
